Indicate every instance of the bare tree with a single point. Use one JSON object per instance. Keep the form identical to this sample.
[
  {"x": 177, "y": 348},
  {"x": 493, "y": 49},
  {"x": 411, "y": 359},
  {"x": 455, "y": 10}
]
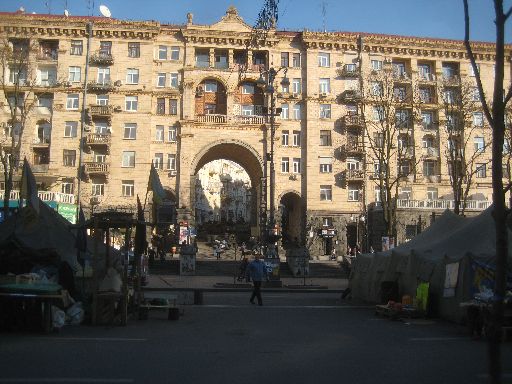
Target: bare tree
[
  {"x": 495, "y": 115},
  {"x": 464, "y": 156},
  {"x": 18, "y": 81},
  {"x": 389, "y": 108}
]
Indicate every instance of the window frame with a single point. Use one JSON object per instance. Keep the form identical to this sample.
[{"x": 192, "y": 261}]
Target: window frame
[
  {"x": 131, "y": 129},
  {"x": 134, "y": 49},
  {"x": 128, "y": 159},
  {"x": 325, "y": 192},
  {"x": 127, "y": 188}
]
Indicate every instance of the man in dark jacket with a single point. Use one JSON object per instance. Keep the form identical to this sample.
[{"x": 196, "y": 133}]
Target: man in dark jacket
[{"x": 256, "y": 271}]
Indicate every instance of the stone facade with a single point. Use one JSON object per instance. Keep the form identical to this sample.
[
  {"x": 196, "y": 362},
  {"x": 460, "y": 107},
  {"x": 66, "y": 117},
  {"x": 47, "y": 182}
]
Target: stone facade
[{"x": 175, "y": 95}]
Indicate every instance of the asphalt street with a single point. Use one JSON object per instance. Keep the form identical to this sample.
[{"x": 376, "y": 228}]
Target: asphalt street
[{"x": 292, "y": 338}]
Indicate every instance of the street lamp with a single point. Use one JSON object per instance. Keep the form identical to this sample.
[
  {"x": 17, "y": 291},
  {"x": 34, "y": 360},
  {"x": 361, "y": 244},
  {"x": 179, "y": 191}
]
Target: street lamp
[
  {"x": 266, "y": 84},
  {"x": 359, "y": 219}
]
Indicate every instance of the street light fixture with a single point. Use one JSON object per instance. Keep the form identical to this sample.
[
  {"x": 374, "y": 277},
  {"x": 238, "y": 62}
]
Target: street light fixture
[{"x": 266, "y": 84}]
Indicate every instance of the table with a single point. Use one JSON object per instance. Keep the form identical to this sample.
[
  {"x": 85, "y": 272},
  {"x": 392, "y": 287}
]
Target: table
[{"x": 26, "y": 300}]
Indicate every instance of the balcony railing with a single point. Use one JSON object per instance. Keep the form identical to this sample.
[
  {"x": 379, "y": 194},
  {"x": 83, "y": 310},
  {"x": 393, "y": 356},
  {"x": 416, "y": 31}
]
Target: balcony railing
[
  {"x": 48, "y": 55},
  {"x": 349, "y": 95},
  {"x": 452, "y": 80},
  {"x": 96, "y": 168},
  {"x": 430, "y": 152},
  {"x": 42, "y": 140},
  {"x": 401, "y": 76},
  {"x": 353, "y": 120},
  {"x": 40, "y": 168},
  {"x": 345, "y": 71},
  {"x": 354, "y": 146},
  {"x": 355, "y": 174},
  {"x": 101, "y": 110},
  {"x": 431, "y": 126},
  {"x": 105, "y": 86},
  {"x": 212, "y": 118},
  {"x": 241, "y": 119},
  {"x": 102, "y": 58},
  {"x": 97, "y": 138},
  {"x": 427, "y": 77},
  {"x": 476, "y": 205},
  {"x": 45, "y": 196}
]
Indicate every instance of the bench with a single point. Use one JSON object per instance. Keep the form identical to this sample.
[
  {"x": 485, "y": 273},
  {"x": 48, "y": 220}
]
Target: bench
[{"x": 159, "y": 300}]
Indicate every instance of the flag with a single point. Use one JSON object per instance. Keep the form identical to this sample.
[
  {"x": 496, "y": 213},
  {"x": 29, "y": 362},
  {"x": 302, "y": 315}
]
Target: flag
[
  {"x": 155, "y": 186},
  {"x": 81, "y": 234},
  {"x": 140, "y": 230},
  {"x": 28, "y": 188}
]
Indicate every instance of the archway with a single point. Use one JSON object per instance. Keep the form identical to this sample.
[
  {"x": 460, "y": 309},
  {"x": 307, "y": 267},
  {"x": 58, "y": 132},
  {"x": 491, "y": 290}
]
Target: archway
[
  {"x": 291, "y": 209},
  {"x": 232, "y": 188}
]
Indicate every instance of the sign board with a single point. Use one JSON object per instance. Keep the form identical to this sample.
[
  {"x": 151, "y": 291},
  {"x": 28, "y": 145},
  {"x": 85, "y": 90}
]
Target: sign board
[
  {"x": 327, "y": 232},
  {"x": 67, "y": 211}
]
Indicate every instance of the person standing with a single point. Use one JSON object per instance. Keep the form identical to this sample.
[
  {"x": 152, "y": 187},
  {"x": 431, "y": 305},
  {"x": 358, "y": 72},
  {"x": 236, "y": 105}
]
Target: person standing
[{"x": 256, "y": 271}]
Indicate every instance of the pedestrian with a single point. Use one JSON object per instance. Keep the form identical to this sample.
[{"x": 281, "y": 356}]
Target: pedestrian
[
  {"x": 256, "y": 271},
  {"x": 333, "y": 253},
  {"x": 243, "y": 268},
  {"x": 349, "y": 250},
  {"x": 216, "y": 252}
]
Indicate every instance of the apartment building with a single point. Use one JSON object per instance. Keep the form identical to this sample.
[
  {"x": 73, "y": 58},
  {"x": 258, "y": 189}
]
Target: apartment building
[{"x": 181, "y": 96}]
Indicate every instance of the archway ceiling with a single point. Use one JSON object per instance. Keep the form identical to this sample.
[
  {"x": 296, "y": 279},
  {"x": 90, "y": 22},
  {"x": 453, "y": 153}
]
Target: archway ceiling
[{"x": 236, "y": 153}]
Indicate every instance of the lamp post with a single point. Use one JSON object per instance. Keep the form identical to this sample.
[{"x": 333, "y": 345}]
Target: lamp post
[{"x": 266, "y": 83}]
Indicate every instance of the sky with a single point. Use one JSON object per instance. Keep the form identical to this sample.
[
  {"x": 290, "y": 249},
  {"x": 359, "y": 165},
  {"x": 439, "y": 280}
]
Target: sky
[{"x": 431, "y": 18}]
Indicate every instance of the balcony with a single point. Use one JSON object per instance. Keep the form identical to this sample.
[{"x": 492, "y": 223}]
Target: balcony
[
  {"x": 106, "y": 86},
  {"x": 472, "y": 205},
  {"x": 354, "y": 146},
  {"x": 101, "y": 58},
  {"x": 254, "y": 120},
  {"x": 430, "y": 152},
  {"x": 401, "y": 77},
  {"x": 406, "y": 152},
  {"x": 355, "y": 174},
  {"x": 451, "y": 81},
  {"x": 426, "y": 78},
  {"x": 40, "y": 168},
  {"x": 96, "y": 168},
  {"x": 348, "y": 71},
  {"x": 353, "y": 121},
  {"x": 429, "y": 126},
  {"x": 45, "y": 196},
  {"x": 349, "y": 96},
  {"x": 432, "y": 178},
  {"x": 96, "y": 139},
  {"x": 101, "y": 110},
  {"x": 43, "y": 141}
]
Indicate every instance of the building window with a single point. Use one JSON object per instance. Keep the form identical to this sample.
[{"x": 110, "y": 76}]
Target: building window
[
  {"x": 162, "y": 52},
  {"x": 247, "y": 110},
  {"x": 77, "y": 48},
  {"x": 325, "y": 193},
  {"x": 103, "y": 75},
  {"x": 428, "y": 142},
  {"x": 284, "y": 138},
  {"x": 102, "y": 100},
  {"x": 210, "y": 86},
  {"x": 171, "y": 161},
  {"x": 432, "y": 193},
  {"x": 400, "y": 93},
  {"x": 173, "y": 80},
  {"x": 429, "y": 168},
  {"x": 481, "y": 170},
  {"x": 133, "y": 49},
  {"x": 297, "y": 86},
  {"x": 67, "y": 187},
  {"x": 404, "y": 168},
  {"x": 175, "y": 53},
  {"x": 296, "y": 164},
  {"x": 130, "y": 131},
  {"x": 98, "y": 189},
  {"x": 325, "y": 111},
  {"x": 471, "y": 71},
  {"x": 475, "y": 94},
  {"x": 285, "y": 111},
  {"x": 378, "y": 114},
  {"x": 296, "y": 60},
  {"x": 296, "y": 138},
  {"x": 324, "y": 85},
  {"x": 128, "y": 159},
  {"x": 376, "y": 88},
  {"x": 353, "y": 193},
  {"x": 297, "y": 112},
  {"x": 131, "y": 103},
  {"x": 105, "y": 48},
  {"x": 285, "y": 59},
  {"x": 127, "y": 187},
  {"x": 285, "y": 164},
  {"x": 376, "y": 65},
  {"x": 248, "y": 89},
  {"x": 425, "y": 72},
  {"x": 173, "y": 106},
  {"x": 72, "y": 101},
  {"x": 324, "y": 59},
  {"x": 160, "y": 106},
  {"x": 160, "y": 80},
  {"x": 478, "y": 119},
  {"x": 479, "y": 143},
  {"x": 325, "y": 138},
  {"x": 172, "y": 134},
  {"x": 325, "y": 164},
  {"x": 74, "y": 74},
  {"x": 159, "y": 133},
  {"x": 202, "y": 58},
  {"x": 69, "y": 158},
  {"x": 70, "y": 129},
  {"x": 132, "y": 76},
  {"x": 101, "y": 127},
  {"x": 427, "y": 119},
  {"x": 158, "y": 160}
]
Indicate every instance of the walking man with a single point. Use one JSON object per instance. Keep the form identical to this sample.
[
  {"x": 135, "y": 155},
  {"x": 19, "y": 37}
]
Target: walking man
[{"x": 256, "y": 271}]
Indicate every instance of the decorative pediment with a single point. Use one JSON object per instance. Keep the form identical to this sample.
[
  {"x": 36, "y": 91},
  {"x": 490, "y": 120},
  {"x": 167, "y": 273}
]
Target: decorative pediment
[{"x": 232, "y": 22}]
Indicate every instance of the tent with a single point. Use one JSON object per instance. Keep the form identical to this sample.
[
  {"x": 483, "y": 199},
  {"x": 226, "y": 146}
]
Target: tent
[
  {"x": 27, "y": 238},
  {"x": 455, "y": 255}
]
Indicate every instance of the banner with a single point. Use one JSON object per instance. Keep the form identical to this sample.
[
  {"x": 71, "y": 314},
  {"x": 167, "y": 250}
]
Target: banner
[{"x": 450, "y": 279}]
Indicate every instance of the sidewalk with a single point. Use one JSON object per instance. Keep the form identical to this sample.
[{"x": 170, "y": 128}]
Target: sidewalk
[{"x": 208, "y": 282}]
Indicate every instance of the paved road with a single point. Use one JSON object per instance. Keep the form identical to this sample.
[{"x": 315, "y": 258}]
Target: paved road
[{"x": 293, "y": 338}]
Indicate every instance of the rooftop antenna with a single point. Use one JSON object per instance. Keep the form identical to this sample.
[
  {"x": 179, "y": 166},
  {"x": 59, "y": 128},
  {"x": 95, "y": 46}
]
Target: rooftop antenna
[
  {"x": 48, "y": 5},
  {"x": 105, "y": 11},
  {"x": 324, "y": 13}
]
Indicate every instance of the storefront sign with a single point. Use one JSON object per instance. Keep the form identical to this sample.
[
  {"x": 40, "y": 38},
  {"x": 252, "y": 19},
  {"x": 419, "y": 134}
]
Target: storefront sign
[
  {"x": 327, "y": 232},
  {"x": 67, "y": 211}
]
